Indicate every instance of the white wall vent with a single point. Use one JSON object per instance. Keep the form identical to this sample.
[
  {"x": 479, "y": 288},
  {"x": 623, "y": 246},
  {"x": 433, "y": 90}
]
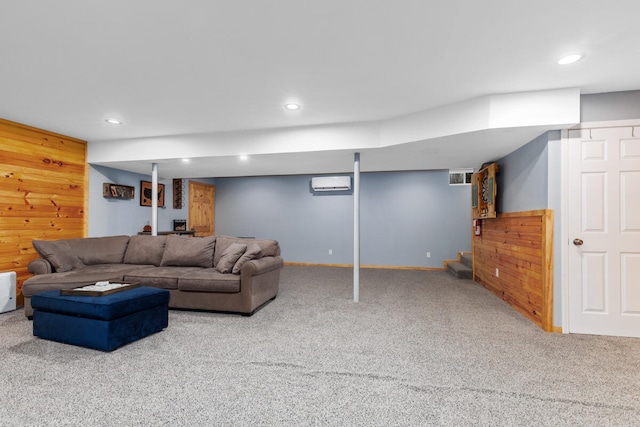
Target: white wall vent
[
  {"x": 331, "y": 183},
  {"x": 460, "y": 176}
]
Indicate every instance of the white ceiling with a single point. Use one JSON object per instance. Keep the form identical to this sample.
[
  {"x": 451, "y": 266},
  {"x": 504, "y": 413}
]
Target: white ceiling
[{"x": 207, "y": 66}]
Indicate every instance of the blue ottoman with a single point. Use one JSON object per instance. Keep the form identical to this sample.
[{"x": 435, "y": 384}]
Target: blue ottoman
[{"x": 104, "y": 323}]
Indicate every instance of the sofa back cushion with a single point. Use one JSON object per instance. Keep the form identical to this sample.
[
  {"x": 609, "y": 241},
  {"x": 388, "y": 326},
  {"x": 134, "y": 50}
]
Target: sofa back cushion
[
  {"x": 189, "y": 251},
  {"x": 268, "y": 247},
  {"x": 100, "y": 250},
  {"x": 253, "y": 252},
  {"x": 59, "y": 254},
  {"x": 145, "y": 250},
  {"x": 233, "y": 252}
]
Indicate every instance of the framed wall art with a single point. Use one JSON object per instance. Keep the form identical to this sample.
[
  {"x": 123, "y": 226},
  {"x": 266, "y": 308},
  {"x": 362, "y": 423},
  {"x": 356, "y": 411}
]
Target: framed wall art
[
  {"x": 145, "y": 194},
  {"x": 177, "y": 194}
]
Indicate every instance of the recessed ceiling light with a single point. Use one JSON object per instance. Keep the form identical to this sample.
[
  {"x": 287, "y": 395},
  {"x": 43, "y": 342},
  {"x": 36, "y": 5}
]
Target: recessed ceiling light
[
  {"x": 292, "y": 106},
  {"x": 113, "y": 121},
  {"x": 186, "y": 160},
  {"x": 244, "y": 157},
  {"x": 570, "y": 59}
]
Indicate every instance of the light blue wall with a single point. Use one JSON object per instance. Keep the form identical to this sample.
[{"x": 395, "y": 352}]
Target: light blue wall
[
  {"x": 522, "y": 178},
  {"x": 403, "y": 216},
  {"x": 610, "y": 106},
  {"x": 108, "y": 217}
]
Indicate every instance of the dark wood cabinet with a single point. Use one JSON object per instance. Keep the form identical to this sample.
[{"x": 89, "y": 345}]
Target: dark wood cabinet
[{"x": 484, "y": 190}]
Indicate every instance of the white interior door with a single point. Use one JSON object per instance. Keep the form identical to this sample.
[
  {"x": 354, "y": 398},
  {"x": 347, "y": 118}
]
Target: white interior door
[{"x": 604, "y": 231}]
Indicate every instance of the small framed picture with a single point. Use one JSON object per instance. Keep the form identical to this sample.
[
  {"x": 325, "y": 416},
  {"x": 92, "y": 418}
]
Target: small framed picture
[
  {"x": 146, "y": 191},
  {"x": 179, "y": 225}
]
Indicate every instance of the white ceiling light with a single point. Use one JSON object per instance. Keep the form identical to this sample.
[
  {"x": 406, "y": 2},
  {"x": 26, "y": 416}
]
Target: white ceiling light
[
  {"x": 113, "y": 121},
  {"x": 244, "y": 157},
  {"x": 292, "y": 106},
  {"x": 186, "y": 160},
  {"x": 570, "y": 59}
]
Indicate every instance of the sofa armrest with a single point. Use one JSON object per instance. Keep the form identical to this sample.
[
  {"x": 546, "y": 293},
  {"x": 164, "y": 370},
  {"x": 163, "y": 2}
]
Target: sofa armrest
[
  {"x": 40, "y": 266},
  {"x": 262, "y": 265}
]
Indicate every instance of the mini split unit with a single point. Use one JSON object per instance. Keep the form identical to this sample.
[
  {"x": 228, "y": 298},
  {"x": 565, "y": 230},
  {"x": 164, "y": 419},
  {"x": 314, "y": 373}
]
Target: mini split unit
[{"x": 331, "y": 183}]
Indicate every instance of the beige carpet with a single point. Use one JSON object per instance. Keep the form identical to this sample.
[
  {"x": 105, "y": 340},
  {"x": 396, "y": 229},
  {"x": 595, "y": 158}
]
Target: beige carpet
[{"x": 421, "y": 348}]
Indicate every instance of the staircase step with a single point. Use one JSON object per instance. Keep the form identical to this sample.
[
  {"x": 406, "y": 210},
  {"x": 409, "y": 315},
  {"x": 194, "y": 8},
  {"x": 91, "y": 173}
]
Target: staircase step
[
  {"x": 459, "y": 270},
  {"x": 467, "y": 259}
]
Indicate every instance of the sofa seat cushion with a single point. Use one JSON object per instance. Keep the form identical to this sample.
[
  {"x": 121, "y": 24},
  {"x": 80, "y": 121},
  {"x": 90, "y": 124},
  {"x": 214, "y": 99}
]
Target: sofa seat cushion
[
  {"x": 209, "y": 280},
  {"x": 88, "y": 275},
  {"x": 159, "y": 277}
]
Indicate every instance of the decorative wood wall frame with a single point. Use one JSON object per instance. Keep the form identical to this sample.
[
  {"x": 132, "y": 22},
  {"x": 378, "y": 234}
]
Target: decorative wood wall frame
[
  {"x": 484, "y": 190},
  {"x": 177, "y": 194},
  {"x": 146, "y": 191},
  {"x": 44, "y": 193},
  {"x": 117, "y": 191},
  {"x": 513, "y": 258}
]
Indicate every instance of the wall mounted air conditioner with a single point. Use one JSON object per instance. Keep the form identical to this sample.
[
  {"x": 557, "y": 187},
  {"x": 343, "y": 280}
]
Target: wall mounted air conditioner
[{"x": 331, "y": 183}]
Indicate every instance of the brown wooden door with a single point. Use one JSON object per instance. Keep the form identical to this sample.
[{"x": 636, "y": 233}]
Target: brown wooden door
[{"x": 201, "y": 208}]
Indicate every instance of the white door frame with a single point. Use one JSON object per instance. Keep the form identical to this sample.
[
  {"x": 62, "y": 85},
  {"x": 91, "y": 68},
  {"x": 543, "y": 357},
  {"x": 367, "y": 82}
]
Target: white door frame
[{"x": 564, "y": 174}]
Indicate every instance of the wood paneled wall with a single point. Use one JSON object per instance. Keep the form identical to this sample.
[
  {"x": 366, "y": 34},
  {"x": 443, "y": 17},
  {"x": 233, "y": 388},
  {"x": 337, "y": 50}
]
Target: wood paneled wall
[
  {"x": 43, "y": 193},
  {"x": 520, "y": 246}
]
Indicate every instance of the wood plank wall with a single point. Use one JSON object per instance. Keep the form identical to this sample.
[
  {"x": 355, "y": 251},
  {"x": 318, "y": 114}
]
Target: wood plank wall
[
  {"x": 43, "y": 193},
  {"x": 520, "y": 246}
]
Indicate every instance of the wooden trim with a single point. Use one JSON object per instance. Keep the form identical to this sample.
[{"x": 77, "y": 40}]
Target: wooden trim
[
  {"x": 85, "y": 218},
  {"x": 385, "y": 267},
  {"x": 473, "y": 246},
  {"x": 547, "y": 271},
  {"x": 446, "y": 262},
  {"x": 556, "y": 329},
  {"x": 539, "y": 212},
  {"x": 30, "y": 129}
]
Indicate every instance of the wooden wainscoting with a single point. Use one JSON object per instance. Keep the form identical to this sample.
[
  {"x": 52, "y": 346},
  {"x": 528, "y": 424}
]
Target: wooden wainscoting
[
  {"x": 520, "y": 246},
  {"x": 43, "y": 193}
]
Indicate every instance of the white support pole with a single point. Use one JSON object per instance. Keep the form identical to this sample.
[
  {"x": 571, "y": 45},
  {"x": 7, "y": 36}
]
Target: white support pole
[
  {"x": 154, "y": 199},
  {"x": 356, "y": 227}
]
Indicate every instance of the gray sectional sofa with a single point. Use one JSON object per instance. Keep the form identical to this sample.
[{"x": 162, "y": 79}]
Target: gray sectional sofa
[{"x": 218, "y": 273}]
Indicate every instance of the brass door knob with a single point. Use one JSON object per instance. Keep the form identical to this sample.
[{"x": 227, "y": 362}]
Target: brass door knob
[{"x": 578, "y": 242}]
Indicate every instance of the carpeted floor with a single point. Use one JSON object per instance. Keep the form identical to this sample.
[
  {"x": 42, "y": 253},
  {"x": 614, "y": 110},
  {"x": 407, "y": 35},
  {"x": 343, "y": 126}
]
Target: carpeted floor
[{"x": 420, "y": 349}]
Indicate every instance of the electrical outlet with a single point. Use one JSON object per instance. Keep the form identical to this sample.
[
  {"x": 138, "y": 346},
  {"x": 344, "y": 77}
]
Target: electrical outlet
[
  {"x": 330, "y": 251},
  {"x": 428, "y": 254},
  {"x": 497, "y": 273}
]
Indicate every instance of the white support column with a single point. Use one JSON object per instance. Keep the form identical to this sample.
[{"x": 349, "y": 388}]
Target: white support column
[
  {"x": 356, "y": 227},
  {"x": 154, "y": 199}
]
